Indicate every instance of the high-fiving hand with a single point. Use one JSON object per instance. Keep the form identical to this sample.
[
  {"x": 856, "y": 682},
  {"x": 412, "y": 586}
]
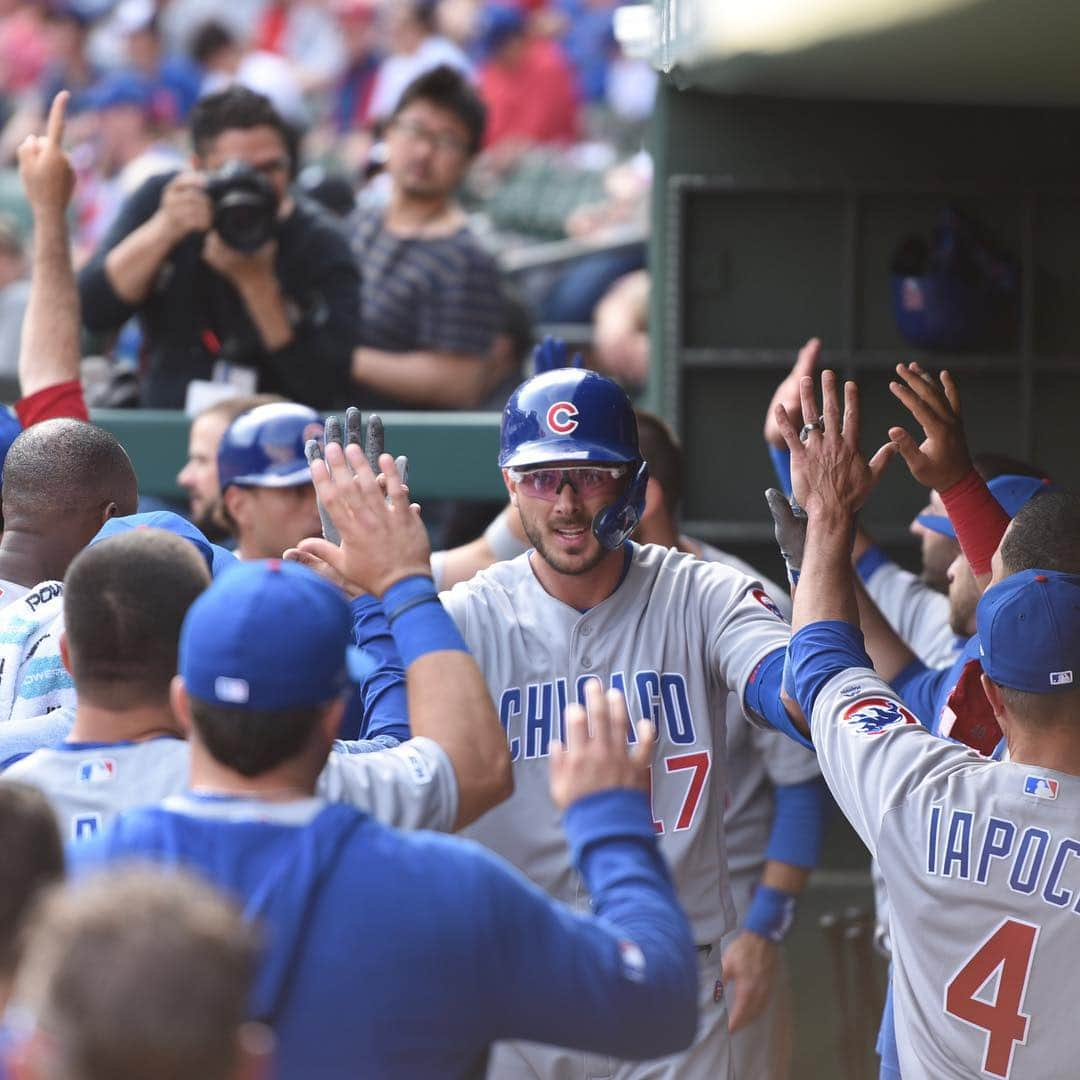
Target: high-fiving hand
[{"x": 829, "y": 475}]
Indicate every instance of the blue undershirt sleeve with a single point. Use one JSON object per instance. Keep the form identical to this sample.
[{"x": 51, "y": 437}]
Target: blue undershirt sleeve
[
  {"x": 762, "y": 697},
  {"x": 873, "y": 558},
  {"x": 819, "y": 652},
  {"x": 386, "y": 709},
  {"x": 630, "y": 971},
  {"x": 798, "y": 827},
  {"x": 920, "y": 687}
]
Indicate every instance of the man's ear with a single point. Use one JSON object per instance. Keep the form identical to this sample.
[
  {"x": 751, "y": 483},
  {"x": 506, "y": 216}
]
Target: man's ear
[
  {"x": 181, "y": 704},
  {"x": 65, "y": 653},
  {"x": 111, "y": 510},
  {"x": 235, "y": 501},
  {"x": 511, "y": 487},
  {"x": 994, "y": 696}
]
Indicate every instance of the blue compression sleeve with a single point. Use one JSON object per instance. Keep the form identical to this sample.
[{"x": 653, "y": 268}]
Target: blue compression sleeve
[
  {"x": 873, "y": 558},
  {"x": 781, "y": 463},
  {"x": 385, "y": 704},
  {"x": 631, "y": 971},
  {"x": 418, "y": 620},
  {"x": 798, "y": 827},
  {"x": 819, "y": 652},
  {"x": 762, "y": 697}
]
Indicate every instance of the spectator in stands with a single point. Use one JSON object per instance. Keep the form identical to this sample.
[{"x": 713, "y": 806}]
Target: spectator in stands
[
  {"x": 218, "y": 48},
  {"x": 31, "y": 858},
  {"x": 307, "y": 36},
  {"x": 431, "y": 302},
  {"x": 14, "y": 295},
  {"x": 287, "y": 312},
  {"x": 173, "y": 77},
  {"x": 351, "y": 102},
  {"x": 180, "y": 961},
  {"x": 526, "y": 83},
  {"x": 415, "y": 48},
  {"x": 126, "y": 153}
]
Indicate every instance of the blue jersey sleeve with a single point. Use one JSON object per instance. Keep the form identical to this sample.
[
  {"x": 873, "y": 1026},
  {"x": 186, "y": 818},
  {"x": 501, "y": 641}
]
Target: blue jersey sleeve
[
  {"x": 385, "y": 705},
  {"x": 819, "y": 652},
  {"x": 623, "y": 982},
  {"x": 921, "y": 688},
  {"x": 762, "y": 696}
]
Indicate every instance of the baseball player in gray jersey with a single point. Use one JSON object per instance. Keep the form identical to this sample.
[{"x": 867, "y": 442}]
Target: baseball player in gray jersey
[
  {"x": 126, "y": 748},
  {"x": 676, "y": 634},
  {"x": 980, "y": 857}
]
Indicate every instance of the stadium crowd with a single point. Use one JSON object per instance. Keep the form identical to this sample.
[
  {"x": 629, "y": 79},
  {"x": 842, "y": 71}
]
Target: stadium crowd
[{"x": 235, "y": 743}]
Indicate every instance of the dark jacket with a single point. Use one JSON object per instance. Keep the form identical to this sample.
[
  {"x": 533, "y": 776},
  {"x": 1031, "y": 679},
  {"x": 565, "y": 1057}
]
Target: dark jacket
[{"x": 193, "y": 316}]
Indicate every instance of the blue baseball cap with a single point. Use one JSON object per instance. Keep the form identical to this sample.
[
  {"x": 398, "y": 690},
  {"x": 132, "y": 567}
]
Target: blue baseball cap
[
  {"x": 217, "y": 558},
  {"x": 269, "y": 635},
  {"x": 10, "y": 430},
  {"x": 120, "y": 88},
  {"x": 498, "y": 24},
  {"x": 1029, "y": 631},
  {"x": 1011, "y": 492}
]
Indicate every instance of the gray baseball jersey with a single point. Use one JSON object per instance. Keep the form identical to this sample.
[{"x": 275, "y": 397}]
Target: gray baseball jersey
[
  {"x": 411, "y": 786},
  {"x": 982, "y": 863},
  {"x": 918, "y": 613},
  {"x": 676, "y": 636}
]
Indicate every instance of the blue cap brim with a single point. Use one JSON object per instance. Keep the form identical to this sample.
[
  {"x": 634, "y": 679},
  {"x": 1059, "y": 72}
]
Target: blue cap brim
[{"x": 937, "y": 523}]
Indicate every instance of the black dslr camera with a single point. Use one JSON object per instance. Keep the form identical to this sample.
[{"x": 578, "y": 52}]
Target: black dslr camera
[{"x": 245, "y": 205}]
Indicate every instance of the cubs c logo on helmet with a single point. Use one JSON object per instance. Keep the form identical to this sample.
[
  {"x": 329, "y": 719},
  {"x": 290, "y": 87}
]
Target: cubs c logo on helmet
[
  {"x": 560, "y": 417},
  {"x": 875, "y": 715}
]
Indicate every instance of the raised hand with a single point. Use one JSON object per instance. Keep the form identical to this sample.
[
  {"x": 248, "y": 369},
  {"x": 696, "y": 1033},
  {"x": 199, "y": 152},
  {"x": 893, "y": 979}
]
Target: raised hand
[
  {"x": 787, "y": 393},
  {"x": 382, "y": 538},
  {"x": 942, "y": 458},
  {"x": 550, "y": 354},
  {"x": 829, "y": 475},
  {"x": 599, "y": 761},
  {"x": 46, "y": 171}
]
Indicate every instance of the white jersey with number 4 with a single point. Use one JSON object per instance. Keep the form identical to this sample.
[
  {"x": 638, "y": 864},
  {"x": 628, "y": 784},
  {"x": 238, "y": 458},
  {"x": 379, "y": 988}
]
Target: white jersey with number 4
[
  {"x": 676, "y": 637},
  {"x": 982, "y": 863}
]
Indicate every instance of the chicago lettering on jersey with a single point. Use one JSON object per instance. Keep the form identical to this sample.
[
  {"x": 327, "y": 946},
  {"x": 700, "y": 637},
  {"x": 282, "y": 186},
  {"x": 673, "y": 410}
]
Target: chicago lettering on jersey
[
  {"x": 1029, "y": 861},
  {"x": 532, "y": 715}
]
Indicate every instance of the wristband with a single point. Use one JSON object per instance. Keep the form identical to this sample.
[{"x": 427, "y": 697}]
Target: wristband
[
  {"x": 771, "y": 913},
  {"x": 978, "y": 519},
  {"x": 781, "y": 463},
  {"x": 418, "y": 620},
  {"x": 503, "y": 543}
]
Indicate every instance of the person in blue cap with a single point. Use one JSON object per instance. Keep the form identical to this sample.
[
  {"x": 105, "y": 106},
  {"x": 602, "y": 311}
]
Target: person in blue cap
[
  {"x": 985, "y": 986},
  {"x": 444, "y": 945}
]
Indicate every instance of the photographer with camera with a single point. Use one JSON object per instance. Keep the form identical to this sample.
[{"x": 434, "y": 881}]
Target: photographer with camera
[{"x": 231, "y": 275}]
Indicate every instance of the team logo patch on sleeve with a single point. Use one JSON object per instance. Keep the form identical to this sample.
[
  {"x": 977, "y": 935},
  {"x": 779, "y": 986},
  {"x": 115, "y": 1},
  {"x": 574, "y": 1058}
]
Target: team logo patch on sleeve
[
  {"x": 97, "y": 770},
  {"x": 875, "y": 715},
  {"x": 1042, "y": 787},
  {"x": 560, "y": 417},
  {"x": 763, "y": 598},
  {"x": 633, "y": 961}
]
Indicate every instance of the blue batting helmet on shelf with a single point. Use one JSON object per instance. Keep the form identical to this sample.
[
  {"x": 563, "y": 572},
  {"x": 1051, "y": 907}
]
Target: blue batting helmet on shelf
[
  {"x": 572, "y": 415},
  {"x": 264, "y": 447}
]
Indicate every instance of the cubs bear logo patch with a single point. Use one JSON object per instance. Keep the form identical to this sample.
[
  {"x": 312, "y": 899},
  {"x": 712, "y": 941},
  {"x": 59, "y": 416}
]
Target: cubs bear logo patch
[{"x": 875, "y": 715}]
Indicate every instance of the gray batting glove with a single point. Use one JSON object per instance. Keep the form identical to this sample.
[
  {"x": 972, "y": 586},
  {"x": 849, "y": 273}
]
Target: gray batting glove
[
  {"x": 789, "y": 525},
  {"x": 373, "y": 447}
]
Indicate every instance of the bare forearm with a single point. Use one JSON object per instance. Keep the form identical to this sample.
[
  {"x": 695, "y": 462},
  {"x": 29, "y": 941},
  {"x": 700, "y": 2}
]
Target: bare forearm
[
  {"x": 424, "y": 379},
  {"x": 133, "y": 264},
  {"x": 784, "y": 877},
  {"x": 827, "y": 582},
  {"x": 266, "y": 308},
  {"x": 887, "y": 649},
  {"x": 50, "y": 349},
  {"x": 464, "y": 723}
]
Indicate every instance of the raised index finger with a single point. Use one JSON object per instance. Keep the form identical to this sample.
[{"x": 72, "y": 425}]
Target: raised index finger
[{"x": 54, "y": 129}]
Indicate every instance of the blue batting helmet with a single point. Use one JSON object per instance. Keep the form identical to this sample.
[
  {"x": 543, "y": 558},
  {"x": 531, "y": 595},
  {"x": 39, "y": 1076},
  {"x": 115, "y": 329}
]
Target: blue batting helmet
[
  {"x": 572, "y": 414},
  {"x": 264, "y": 447}
]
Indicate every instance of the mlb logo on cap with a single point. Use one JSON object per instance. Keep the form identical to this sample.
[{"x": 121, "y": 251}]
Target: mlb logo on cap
[
  {"x": 1042, "y": 787},
  {"x": 97, "y": 771}
]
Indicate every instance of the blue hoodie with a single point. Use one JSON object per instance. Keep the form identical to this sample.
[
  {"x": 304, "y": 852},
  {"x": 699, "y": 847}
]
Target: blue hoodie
[{"x": 396, "y": 954}]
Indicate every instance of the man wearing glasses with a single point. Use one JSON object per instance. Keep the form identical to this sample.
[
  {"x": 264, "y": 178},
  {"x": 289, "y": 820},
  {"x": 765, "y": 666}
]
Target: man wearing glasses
[
  {"x": 431, "y": 302},
  {"x": 279, "y": 317}
]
